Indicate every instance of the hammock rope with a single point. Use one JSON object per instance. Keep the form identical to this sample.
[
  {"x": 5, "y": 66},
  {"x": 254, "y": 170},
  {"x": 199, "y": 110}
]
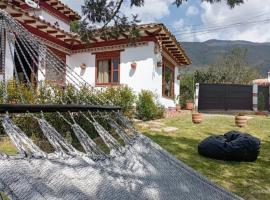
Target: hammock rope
[{"x": 134, "y": 168}]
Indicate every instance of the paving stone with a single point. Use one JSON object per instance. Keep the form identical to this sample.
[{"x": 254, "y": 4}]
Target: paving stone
[{"x": 170, "y": 129}]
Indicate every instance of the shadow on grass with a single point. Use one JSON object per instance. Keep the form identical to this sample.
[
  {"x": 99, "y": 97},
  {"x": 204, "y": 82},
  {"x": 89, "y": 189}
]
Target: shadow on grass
[{"x": 250, "y": 180}]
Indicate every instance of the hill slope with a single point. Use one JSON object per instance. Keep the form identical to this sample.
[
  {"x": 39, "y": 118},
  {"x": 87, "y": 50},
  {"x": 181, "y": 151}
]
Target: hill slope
[{"x": 205, "y": 53}]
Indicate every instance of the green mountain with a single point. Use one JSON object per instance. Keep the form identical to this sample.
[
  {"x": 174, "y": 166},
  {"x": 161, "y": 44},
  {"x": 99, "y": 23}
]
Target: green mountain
[{"x": 206, "y": 53}]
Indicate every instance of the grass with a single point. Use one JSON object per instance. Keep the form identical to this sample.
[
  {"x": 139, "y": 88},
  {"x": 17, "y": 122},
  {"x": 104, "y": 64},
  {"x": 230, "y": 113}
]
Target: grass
[
  {"x": 7, "y": 147},
  {"x": 248, "y": 180}
]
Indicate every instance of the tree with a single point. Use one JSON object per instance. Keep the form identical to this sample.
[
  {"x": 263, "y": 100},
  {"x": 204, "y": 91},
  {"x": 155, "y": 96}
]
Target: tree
[
  {"x": 232, "y": 69},
  {"x": 106, "y": 18}
]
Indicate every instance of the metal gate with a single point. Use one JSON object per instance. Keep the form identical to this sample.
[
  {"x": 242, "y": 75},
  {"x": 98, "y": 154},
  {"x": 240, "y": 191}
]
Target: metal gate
[
  {"x": 225, "y": 97},
  {"x": 265, "y": 91}
]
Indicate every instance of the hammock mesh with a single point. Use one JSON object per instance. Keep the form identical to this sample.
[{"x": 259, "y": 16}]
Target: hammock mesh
[{"x": 137, "y": 169}]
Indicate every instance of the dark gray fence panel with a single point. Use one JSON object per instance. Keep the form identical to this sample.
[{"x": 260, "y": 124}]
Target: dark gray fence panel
[{"x": 225, "y": 97}]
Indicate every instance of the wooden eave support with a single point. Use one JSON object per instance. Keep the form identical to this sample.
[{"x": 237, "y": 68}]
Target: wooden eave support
[
  {"x": 60, "y": 36},
  {"x": 52, "y": 31},
  {"x": 42, "y": 26},
  {"x": 153, "y": 33},
  {"x": 30, "y": 21},
  {"x": 15, "y": 15},
  {"x": 3, "y": 6},
  {"x": 66, "y": 12}
]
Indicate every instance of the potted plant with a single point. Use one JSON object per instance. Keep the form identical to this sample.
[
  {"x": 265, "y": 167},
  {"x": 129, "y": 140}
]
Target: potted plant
[
  {"x": 261, "y": 104},
  {"x": 241, "y": 120},
  {"x": 197, "y": 117},
  {"x": 189, "y": 104}
]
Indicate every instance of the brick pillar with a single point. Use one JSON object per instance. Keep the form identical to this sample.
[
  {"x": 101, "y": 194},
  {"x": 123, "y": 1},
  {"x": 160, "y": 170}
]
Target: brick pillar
[
  {"x": 255, "y": 97},
  {"x": 196, "y": 99}
]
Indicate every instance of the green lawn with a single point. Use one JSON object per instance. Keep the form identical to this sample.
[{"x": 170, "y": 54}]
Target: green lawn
[{"x": 248, "y": 180}]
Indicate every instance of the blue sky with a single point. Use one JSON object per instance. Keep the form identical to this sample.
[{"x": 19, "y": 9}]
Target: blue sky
[{"x": 196, "y": 21}]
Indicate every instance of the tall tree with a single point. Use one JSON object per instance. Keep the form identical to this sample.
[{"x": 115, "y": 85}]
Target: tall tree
[
  {"x": 232, "y": 69},
  {"x": 106, "y": 16}
]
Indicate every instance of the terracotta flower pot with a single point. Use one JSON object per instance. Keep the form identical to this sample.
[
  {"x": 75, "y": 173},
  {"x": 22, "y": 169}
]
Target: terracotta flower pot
[
  {"x": 197, "y": 118},
  {"x": 261, "y": 113},
  {"x": 241, "y": 120},
  {"x": 178, "y": 107},
  {"x": 189, "y": 105},
  {"x": 133, "y": 66}
]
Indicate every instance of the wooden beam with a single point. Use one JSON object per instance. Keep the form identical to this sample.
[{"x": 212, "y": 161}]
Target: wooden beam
[
  {"x": 169, "y": 45},
  {"x": 167, "y": 42},
  {"x": 16, "y": 14},
  {"x": 149, "y": 33},
  {"x": 3, "y": 6},
  {"x": 66, "y": 12},
  {"x": 165, "y": 38},
  {"x": 42, "y": 26},
  {"x": 60, "y": 36},
  {"x": 29, "y": 21},
  {"x": 54, "y": 3},
  {"x": 61, "y": 8},
  {"x": 173, "y": 49},
  {"x": 52, "y": 31}
]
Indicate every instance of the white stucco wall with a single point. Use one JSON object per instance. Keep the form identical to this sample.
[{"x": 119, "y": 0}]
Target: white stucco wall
[
  {"x": 147, "y": 75},
  {"x": 52, "y": 19},
  {"x": 74, "y": 61}
]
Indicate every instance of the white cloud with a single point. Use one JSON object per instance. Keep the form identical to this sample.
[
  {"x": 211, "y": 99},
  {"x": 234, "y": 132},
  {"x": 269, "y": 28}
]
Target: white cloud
[
  {"x": 75, "y": 5},
  {"x": 221, "y": 15},
  {"x": 152, "y": 11},
  {"x": 192, "y": 11}
]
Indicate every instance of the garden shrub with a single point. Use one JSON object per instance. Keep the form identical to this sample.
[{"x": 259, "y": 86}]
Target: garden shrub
[
  {"x": 147, "y": 106},
  {"x": 186, "y": 89},
  {"x": 122, "y": 96}
]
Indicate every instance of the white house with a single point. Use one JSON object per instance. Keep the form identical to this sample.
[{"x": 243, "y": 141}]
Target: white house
[{"x": 152, "y": 63}]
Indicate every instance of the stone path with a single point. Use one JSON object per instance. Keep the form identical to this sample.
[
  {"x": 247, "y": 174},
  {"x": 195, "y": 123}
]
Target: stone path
[{"x": 156, "y": 126}]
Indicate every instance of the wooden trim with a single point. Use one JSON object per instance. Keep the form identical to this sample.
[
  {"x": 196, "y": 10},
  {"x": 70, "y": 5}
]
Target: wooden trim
[
  {"x": 46, "y": 36},
  {"x": 112, "y": 42},
  {"x": 171, "y": 66},
  {"x": 55, "y": 12}
]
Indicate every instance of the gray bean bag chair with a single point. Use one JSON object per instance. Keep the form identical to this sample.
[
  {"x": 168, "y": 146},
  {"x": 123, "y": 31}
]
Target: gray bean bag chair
[{"x": 232, "y": 146}]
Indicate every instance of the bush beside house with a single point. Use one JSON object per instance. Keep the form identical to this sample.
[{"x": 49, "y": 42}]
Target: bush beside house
[
  {"x": 147, "y": 106},
  {"x": 123, "y": 96}
]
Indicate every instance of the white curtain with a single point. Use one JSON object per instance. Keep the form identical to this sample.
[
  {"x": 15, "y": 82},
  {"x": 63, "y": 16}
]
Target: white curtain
[{"x": 103, "y": 71}]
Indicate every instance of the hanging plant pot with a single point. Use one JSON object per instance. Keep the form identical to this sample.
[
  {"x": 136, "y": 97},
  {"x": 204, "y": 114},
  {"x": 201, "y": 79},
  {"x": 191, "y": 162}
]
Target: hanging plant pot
[
  {"x": 133, "y": 66},
  {"x": 197, "y": 118},
  {"x": 83, "y": 66},
  {"x": 189, "y": 105},
  {"x": 241, "y": 120}
]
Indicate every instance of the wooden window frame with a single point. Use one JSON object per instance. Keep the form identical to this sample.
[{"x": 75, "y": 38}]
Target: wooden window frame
[
  {"x": 171, "y": 66},
  {"x": 114, "y": 55}
]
